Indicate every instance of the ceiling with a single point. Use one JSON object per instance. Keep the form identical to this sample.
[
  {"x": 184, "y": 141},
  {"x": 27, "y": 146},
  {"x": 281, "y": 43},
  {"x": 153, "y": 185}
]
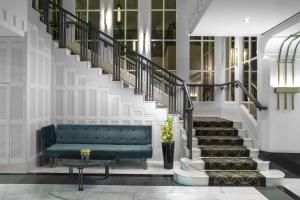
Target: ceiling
[{"x": 227, "y": 17}]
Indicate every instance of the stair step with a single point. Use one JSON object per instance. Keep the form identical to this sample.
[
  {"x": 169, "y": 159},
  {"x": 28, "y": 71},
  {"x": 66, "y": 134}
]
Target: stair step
[
  {"x": 230, "y": 163},
  {"x": 211, "y": 122},
  {"x": 228, "y": 178},
  {"x": 236, "y": 178},
  {"x": 224, "y": 151},
  {"x": 249, "y": 152},
  {"x": 216, "y": 131},
  {"x": 220, "y": 140},
  {"x": 240, "y": 132}
]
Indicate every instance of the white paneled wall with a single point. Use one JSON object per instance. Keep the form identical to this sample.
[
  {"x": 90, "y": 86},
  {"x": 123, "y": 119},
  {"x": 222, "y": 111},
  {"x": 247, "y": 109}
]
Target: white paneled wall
[
  {"x": 83, "y": 95},
  {"x": 38, "y": 84},
  {"x": 12, "y": 101}
]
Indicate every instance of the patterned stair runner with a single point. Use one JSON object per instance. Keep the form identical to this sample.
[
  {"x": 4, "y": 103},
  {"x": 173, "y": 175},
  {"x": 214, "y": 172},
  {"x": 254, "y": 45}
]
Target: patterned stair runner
[{"x": 226, "y": 161}]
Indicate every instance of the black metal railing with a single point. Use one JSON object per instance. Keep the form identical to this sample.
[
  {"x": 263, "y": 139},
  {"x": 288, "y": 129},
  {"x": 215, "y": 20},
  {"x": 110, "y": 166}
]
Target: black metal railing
[
  {"x": 114, "y": 57},
  {"x": 195, "y": 88}
]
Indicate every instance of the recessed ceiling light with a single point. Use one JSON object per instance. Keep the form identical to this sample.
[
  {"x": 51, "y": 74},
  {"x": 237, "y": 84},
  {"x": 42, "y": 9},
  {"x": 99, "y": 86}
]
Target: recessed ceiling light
[{"x": 246, "y": 20}]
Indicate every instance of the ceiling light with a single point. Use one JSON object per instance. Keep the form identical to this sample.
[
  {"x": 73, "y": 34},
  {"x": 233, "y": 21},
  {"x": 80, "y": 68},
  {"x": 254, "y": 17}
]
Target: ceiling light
[{"x": 246, "y": 20}]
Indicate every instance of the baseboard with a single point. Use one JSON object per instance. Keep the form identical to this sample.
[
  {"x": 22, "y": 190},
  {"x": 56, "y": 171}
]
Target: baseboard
[{"x": 13, "y": 168}]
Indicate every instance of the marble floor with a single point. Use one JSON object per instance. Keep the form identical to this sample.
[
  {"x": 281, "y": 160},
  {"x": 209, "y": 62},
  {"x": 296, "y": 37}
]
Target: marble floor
[
  {"x": 292, "y": 184},
  {"x": 129, "y": 181},
  {"x": 93, "y": 192}
]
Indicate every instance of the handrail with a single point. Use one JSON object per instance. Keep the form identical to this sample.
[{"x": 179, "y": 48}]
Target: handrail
[
  {"x": 115, "y": 41},
  {"x": 124, "y": 46},
  {"x": 89, "y": 43},
  {"x": 237, "y": 84}
]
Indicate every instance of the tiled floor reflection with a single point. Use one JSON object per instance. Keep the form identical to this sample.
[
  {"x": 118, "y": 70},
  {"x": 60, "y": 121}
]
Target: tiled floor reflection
[
  {"x": 124, "y": 167},
  {"x": 69, "y": 192}
]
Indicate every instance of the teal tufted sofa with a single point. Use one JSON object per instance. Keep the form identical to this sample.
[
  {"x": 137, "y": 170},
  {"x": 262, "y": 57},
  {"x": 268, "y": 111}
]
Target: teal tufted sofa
[{"x": 105, "y": 141}]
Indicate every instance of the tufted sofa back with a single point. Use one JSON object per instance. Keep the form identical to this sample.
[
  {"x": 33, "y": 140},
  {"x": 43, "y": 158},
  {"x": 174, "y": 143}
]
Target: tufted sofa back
[{"x": 103, "y": 134}]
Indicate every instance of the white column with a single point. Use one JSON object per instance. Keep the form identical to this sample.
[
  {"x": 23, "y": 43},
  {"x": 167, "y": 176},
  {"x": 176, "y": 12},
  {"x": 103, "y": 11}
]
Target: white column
[
  {"x": 182, "y": 40},
  {"x": 219, "y": 67},
  {"x": 144, "y": 27},
  {"x": 106, "y": 16},
  {"x": 239, "y": 71}
]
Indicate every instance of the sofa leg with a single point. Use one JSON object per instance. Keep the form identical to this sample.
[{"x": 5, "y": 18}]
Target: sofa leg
[
  {"x": 145, "y": 165},
  {"x": 52, "y": 161},
  {"x": 118, "y": 161},
  {"x": 113, "y": 164}
]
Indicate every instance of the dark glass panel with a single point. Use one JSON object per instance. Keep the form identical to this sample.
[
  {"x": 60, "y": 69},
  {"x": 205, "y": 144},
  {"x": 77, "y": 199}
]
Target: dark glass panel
[
  {"x": 94, "y": 19},
  {"x": 132, "y": 25},
  {"x": 208, "y": 38},
  {"x": 132, "y": 45},
  {"x": 253, "y": 47},
  {"x": 119, "y": 27},
  {"x": 132, "y": 4},
  {"x": 82, "y": 15},
  {"x": 232, "y": 74},
  {"x": 208, "y": 56},
  {"x": 80, "y": 4},
  {"x": 170, "y": 25},
  {"x": 170, "y": 55},
  {"x": 170, "y": 4},
  {"x": 254, "y": 65},
  {"x": 157, "y": 4},
  {"x": 94, "y": 4},
  {"x": 254, "y": 78},
  {"x": 195, "y": 55},
  {"x": 246, "y": 66},
  {"x": 157, "y": 52},
  {"x": 157, "y": 24},
  {"x": 120, "y": 3}
]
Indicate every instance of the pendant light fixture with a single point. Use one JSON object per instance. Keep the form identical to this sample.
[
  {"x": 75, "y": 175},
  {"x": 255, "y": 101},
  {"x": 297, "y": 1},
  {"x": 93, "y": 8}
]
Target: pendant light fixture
[{"x": 119, "y": 13}]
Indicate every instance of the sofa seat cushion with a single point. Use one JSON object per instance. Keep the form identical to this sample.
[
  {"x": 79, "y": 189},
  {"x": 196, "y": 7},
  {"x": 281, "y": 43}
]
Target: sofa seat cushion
[{"x": 101, "y": 151}]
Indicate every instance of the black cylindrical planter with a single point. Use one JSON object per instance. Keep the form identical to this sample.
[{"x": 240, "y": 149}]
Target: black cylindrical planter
[{"x": 168, "y": 152}]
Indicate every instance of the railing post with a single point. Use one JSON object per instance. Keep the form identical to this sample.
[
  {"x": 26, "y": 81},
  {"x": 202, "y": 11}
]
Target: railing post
[
  {"x": 184, "y": 110},
  {"x": 115, "y": 60},
  {"x": 190, "y": 132}
]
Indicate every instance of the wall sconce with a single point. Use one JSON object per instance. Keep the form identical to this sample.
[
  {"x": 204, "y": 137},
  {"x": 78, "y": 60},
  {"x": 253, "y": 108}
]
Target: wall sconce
[
  {"x": 119, "y": 13},
  {"x": 105, "y": 18},
  {"x": 144, "y": 41},
  {"x": 134, "y": 45},
  {"x": 288, "y": 85}
]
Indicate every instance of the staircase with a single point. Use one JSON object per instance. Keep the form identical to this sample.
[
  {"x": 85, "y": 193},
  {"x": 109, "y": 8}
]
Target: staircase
[
  {"x": 224, "y": 156},
  {"x": 81, "y": 43}
]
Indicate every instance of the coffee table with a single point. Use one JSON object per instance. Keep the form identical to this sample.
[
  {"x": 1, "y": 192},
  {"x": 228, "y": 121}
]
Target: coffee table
[{"x": 82, "y": 164}]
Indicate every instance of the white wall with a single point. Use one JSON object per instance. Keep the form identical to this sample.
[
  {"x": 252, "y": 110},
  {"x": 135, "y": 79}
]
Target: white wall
[
  {"x": 38, "y": 84},
  {"x": 82, "y": 95},
  {"x": 12, "y": 104},
  {"x": 278, "y": 129},
  {"x": 13, "y": 17}
]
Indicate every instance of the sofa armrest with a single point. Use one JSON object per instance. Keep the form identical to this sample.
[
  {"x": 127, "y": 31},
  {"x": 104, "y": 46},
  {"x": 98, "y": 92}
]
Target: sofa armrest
[{"x": 48, "y": 137}]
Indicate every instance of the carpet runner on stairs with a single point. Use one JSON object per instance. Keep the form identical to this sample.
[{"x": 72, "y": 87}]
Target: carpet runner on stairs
[
  {"x": 225, "y": 159},
  {"x": 220, "y": 143}
]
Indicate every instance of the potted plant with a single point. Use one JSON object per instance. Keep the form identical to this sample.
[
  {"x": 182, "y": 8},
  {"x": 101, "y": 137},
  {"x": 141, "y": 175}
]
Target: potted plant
[
  {"x": 85, "y": 154},
  {"x": 168, "y": 143}
]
